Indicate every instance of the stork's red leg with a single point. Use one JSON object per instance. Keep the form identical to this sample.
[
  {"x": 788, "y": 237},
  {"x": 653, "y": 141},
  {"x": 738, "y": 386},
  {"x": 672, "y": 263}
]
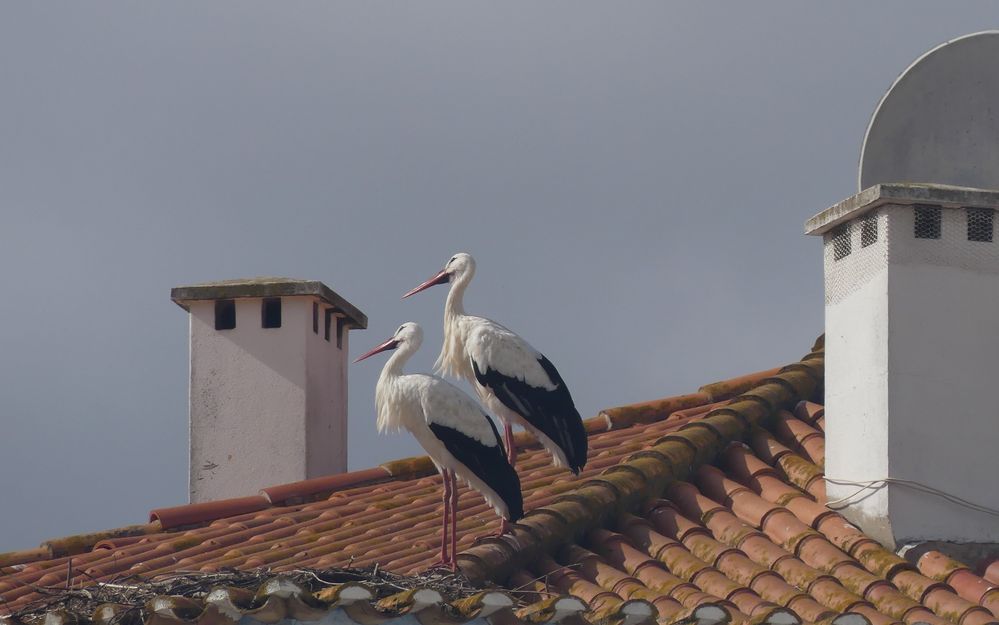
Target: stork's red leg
[
  {"x": 511, "y": 456},
  {"x": 511, "y": 450},
  {"x": 445, "y": 558},
  {"x": 454, "y": 522},
  {"x": 446, "y": 526}
]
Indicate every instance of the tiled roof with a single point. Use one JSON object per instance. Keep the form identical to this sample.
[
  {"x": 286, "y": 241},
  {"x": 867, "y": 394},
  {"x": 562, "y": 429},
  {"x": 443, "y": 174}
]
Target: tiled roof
[{"x": 712, "y": 500}]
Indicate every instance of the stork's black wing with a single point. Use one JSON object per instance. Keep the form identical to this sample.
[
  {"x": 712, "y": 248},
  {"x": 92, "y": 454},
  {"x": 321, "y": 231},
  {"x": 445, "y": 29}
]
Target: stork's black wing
[
  {"x": 550, "y": 411},
  {"x": 487, "y": 462}
]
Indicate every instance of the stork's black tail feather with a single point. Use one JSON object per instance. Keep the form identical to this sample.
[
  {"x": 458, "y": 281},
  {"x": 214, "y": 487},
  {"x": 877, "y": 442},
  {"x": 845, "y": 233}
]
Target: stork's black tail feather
[
  {"x": 508, "y": 488},
  {"x": 567, "y": 425},
  {"x": 552, "y": 412},
  {"x": 576, "y": 445}
]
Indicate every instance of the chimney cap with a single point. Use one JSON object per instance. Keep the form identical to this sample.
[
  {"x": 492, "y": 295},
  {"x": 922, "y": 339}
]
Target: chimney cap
[
  {"x": 945, "y": 196},
  {"x": 266, "y": 286}
]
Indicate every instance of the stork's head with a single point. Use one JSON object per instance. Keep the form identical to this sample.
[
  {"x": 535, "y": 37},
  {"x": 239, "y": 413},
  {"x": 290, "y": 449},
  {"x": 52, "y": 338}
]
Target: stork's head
[
  {"x": 459, "y": 268},
  {"x": 409, "y": 335}
]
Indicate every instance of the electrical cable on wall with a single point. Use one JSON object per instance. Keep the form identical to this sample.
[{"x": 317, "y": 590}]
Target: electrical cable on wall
[{"x": 876, "y": 485}]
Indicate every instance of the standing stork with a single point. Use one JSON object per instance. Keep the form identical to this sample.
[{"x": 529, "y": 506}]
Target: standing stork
[
  {"x": 460, "y": 439},
  {"x": 514, "y": 380}
]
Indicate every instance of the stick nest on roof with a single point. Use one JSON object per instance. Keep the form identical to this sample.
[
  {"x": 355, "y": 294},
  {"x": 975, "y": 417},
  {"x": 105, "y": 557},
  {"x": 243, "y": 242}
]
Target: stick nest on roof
[{"x": 133, "y": 592}]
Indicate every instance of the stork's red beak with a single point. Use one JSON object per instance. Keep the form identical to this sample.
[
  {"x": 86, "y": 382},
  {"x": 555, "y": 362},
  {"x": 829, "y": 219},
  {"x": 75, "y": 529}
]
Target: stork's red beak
[
  {"x": 392, "y": 343},
  {"x": 441, "y": 277}
]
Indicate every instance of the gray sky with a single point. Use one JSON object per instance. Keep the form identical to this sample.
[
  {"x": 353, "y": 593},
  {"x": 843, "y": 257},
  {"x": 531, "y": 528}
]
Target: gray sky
[{"x": 632, "y": 180}]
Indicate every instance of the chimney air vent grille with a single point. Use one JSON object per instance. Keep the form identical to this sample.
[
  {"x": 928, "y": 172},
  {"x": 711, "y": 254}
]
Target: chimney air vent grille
[
  {"x": 980, "y": 224},
  {"x": 927, "y": 222},
  {"x": 869, "y": 230},
  {"x": 854, "y": 253},
  {"x": 899, "y": 232},
  {"x": 842, "y": 245}
]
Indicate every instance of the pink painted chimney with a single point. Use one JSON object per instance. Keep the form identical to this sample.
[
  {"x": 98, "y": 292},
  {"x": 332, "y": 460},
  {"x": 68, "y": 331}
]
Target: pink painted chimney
[{"x": 268, "y": 387}]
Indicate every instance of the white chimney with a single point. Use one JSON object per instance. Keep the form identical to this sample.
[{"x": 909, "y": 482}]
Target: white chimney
[
  {"x": 268, "y": 383},
  {"x": 912, "y": 361}
]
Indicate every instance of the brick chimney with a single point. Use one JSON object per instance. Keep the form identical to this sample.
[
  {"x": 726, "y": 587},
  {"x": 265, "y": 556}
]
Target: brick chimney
[
  {"x": 912, "y": 361},
  {"x": 268, "y": 386}
]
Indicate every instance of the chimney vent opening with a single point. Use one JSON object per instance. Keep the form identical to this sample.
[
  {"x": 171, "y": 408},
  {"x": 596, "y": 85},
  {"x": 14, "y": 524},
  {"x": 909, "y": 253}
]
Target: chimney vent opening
[
  {"x": 341, "y": 324},
  {"x": 315, "y": 317},
  {"x": 842, "y": 246},
  {"x": 980, "y": 224},
  {"x": 329, "y": 319},
  {"x": 927, "y": 222},
  {"x": 225, "y": 314},
  {"x": 270, "y": 312}
]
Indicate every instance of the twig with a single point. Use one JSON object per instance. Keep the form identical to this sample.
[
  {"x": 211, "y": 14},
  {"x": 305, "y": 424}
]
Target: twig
[{"x": 529, "y": 582}]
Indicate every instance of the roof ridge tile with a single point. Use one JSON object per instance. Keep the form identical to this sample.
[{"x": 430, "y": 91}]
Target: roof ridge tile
[
  {"x": 655, "y": 410},
  {"x": 304, "y": 490},
  {"x": 726, "y": 389},
  {"x": 76, "y": 543},
  {"x": 198, "y": 513}
]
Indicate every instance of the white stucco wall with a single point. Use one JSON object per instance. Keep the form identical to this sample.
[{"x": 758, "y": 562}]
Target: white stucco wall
[
  {"x": 856, "y": 385},
  {"x": 268, "y": 405},
  {"x": 945, "y": 428},
  {"x": 911, "y": 365}
]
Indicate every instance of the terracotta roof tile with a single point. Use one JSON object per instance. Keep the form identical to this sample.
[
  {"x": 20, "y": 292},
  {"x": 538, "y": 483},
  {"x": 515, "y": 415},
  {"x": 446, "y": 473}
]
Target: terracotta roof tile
[
  {"x": 706, "y": 507},
  {"x": 991, "y": 572},
  {"x": 811, "y": 413},
  {"x": 942, "y": 568},
  {"x": 801, "y": 436}
]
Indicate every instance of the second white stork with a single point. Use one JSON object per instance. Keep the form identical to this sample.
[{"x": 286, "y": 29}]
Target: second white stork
[
  {"x": 514, "y": 381},
  {"x": 454, "y": 431}
]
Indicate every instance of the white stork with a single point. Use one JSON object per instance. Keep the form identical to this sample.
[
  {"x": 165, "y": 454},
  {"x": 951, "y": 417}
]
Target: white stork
[
  {"x": 460, "y": 439},
  {"x": 514, "y": 380}
]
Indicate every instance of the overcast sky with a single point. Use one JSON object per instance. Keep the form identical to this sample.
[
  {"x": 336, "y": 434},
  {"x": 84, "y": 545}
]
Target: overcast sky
[{"x": 632, "y": 179}]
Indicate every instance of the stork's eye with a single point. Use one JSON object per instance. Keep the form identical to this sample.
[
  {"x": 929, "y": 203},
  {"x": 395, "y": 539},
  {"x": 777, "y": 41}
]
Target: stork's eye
[
  {"x": 400, "y": 328},
  {"x": 453, "y": 258}
]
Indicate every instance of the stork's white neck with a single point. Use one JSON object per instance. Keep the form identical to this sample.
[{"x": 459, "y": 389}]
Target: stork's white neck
[
  {"x": 401, "y": 355},
  {"x": 455, "y": 305},
  {"x": 452, "y": 356},
  {"x": 388, "y": 388}
]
